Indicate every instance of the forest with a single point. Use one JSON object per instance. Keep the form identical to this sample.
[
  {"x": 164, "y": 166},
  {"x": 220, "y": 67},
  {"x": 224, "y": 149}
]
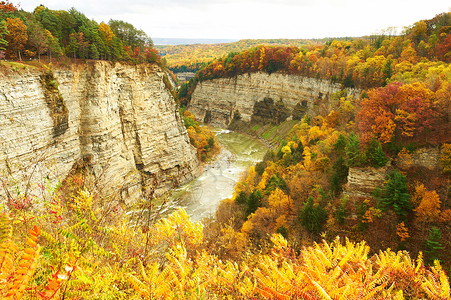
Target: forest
[
  {"x": 293, "y": 229},
  {"x": 421, "y": 53},
  {"x": 191, "y": 58},
  {"x": 55, "y": 34},
  {"x": 300, "y": 189}
]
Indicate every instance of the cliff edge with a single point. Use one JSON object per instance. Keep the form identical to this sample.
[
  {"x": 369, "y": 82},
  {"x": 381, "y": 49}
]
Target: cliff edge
[
  {"x": 252, "y": 95},
  {"x": 118, "y": 119}
]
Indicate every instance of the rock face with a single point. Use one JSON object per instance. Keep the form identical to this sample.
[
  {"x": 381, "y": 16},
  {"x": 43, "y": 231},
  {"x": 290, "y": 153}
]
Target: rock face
[
  {"x": 119, "y": 119},
  {"x": 217, "y": 100},
  {"x": 363, "y": 181}
]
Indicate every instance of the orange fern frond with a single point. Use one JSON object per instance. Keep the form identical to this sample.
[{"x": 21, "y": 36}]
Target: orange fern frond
[
  {"x": 56, "y": 280},
  {"x": 26, "y": 268}
]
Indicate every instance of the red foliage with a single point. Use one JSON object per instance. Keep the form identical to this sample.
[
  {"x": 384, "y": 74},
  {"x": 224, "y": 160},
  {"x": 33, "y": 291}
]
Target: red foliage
[
  {"x": 5, "y": 6},
  {"x": 404, "y": 112},
  {"x": 444, "y": 49}
]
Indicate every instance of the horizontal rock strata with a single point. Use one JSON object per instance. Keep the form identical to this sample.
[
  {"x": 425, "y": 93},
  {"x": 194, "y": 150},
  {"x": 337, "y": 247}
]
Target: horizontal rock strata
[
  {"x": 218, "y": 99},
  {"x": 121, "y": 120}
]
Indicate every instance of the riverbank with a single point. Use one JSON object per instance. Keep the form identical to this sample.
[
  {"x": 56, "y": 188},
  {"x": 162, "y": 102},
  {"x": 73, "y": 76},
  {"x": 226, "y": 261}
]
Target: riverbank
[{"x": 201, "y": 196}]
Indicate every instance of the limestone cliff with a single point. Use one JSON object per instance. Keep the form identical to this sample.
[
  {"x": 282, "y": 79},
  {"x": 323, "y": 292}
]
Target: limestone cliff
[
  {"x": 121, "y": 120},
  {"x": 215, "y": 101}
]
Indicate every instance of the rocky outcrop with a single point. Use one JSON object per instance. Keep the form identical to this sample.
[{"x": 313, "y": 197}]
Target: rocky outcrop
[
  {"x": 219, "y": 99},
  {"x": 120, "y": 120},
  {"x": 428, "y": 158},
  {"x": 363, "y": 181}
]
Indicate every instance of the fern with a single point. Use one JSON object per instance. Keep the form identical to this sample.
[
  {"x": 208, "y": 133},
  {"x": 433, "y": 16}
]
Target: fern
[
  {"x": 7, "y": 248},
  {"x": 26, "y": 267}
]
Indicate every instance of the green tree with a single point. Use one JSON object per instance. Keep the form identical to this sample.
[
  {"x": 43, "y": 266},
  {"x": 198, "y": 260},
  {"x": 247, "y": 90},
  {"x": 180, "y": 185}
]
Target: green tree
[
  {"x": 253, "y": 202},
  {"x": 276, "y": 182},
  {"x": 433, "y": 245},
  {"x": 313, "y": 216},
  {"x": 73, "y": 45},
  {"x": 80, "y": 18},
  {"x": 339, "y": 175},
  {"x": 3, "y": 32},
  {"x": 68, "y": 25},
  {"x": 116, "y": 48},
  {"x": 352, "y": 150},
  {"x": 340, "y": 144},
  {"x": 53, "y": 45},
  {"x": 374, "y": 154},
  {"x": 129, "y": 34},
  {"x": 395, "y": 196},
  {"x": 37, "y": 38},
  {"x": 49, "y": 21},
  {"x": 94, "y": 52}
]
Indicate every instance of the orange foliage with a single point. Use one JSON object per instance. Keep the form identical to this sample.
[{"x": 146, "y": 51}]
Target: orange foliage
[
  {"x": 402, "y": 232},
  {"x": 5, "y": 6},
  {"x": 429, "y": 208},
  {"x": 398, "y": 112},
  {"x": 404, "y": 159}
]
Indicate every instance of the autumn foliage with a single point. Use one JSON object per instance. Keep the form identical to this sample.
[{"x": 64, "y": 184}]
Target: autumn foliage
[
  {"x": 57, "y": 33},
  {"x": 201, "y": 137},
  {"x": 170, "y": 260},
  {"x": 409, "y": 112}
]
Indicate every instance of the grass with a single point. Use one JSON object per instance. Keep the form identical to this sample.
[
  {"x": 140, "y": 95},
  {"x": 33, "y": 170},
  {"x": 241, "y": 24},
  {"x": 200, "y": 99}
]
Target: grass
[
  {"x": 16, "y": 66},
  {"x": 275, "y": 133}
]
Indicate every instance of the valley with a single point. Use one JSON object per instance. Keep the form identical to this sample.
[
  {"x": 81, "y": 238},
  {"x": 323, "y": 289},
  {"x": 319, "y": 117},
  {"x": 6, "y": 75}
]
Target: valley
[{"x": 256, "y": 169}]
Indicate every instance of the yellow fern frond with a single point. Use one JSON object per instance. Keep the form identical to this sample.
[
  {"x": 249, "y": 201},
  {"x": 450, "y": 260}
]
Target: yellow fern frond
[{"x": 138, "y": 286}]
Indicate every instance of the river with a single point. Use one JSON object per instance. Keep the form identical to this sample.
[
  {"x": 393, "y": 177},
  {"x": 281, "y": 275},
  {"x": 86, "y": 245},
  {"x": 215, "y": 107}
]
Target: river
[{"x": 201, "y": 196}]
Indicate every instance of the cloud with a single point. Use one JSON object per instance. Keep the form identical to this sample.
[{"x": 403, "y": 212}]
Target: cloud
[{"x": 254, "y": 18}]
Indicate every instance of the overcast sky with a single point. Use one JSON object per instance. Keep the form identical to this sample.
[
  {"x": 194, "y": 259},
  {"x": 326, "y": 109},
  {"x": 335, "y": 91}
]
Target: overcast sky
[{"x": 240, "y": 19}]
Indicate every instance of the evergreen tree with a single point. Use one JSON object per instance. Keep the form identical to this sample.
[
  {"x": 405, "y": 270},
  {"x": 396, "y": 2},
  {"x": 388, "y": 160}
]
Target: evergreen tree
[
  {"x": 94, "y": 52},
  {"x": 374, "y": 154},
  {"x": 339, "y": 175},
  {"x": 352, "y": 150},
  {"x": 433, "y": 245},
  {"x": 395, "y": 196},
  {"x": 253, "y": 202},
  {"x": 3, "y": 32},
  {"x": 313, "y": 216},
  {"x": 340, "y": 144}
]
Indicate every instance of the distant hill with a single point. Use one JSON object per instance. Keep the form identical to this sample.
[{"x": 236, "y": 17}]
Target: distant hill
[
  {"x": 182, "y": 41},
  {"x": 189, "y": 57}
]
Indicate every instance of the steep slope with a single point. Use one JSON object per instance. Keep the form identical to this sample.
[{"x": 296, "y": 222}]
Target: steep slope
[
  {"x": 118, "y": 119},
  {"x": 215, "y": 101}
]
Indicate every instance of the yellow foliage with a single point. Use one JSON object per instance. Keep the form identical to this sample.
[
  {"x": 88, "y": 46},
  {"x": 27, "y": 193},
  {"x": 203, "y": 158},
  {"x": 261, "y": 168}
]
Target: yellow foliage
[
  {"x": 334, "y": 270},
  {"x": 445, "y": 158},
  {"x": 250, "y": 180},
  {"x": 263, "y": 181},
  {"x": 279, "y": 202},
  {"x": 429, "y": 208},
  {"x": 177, "y": 226}
]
